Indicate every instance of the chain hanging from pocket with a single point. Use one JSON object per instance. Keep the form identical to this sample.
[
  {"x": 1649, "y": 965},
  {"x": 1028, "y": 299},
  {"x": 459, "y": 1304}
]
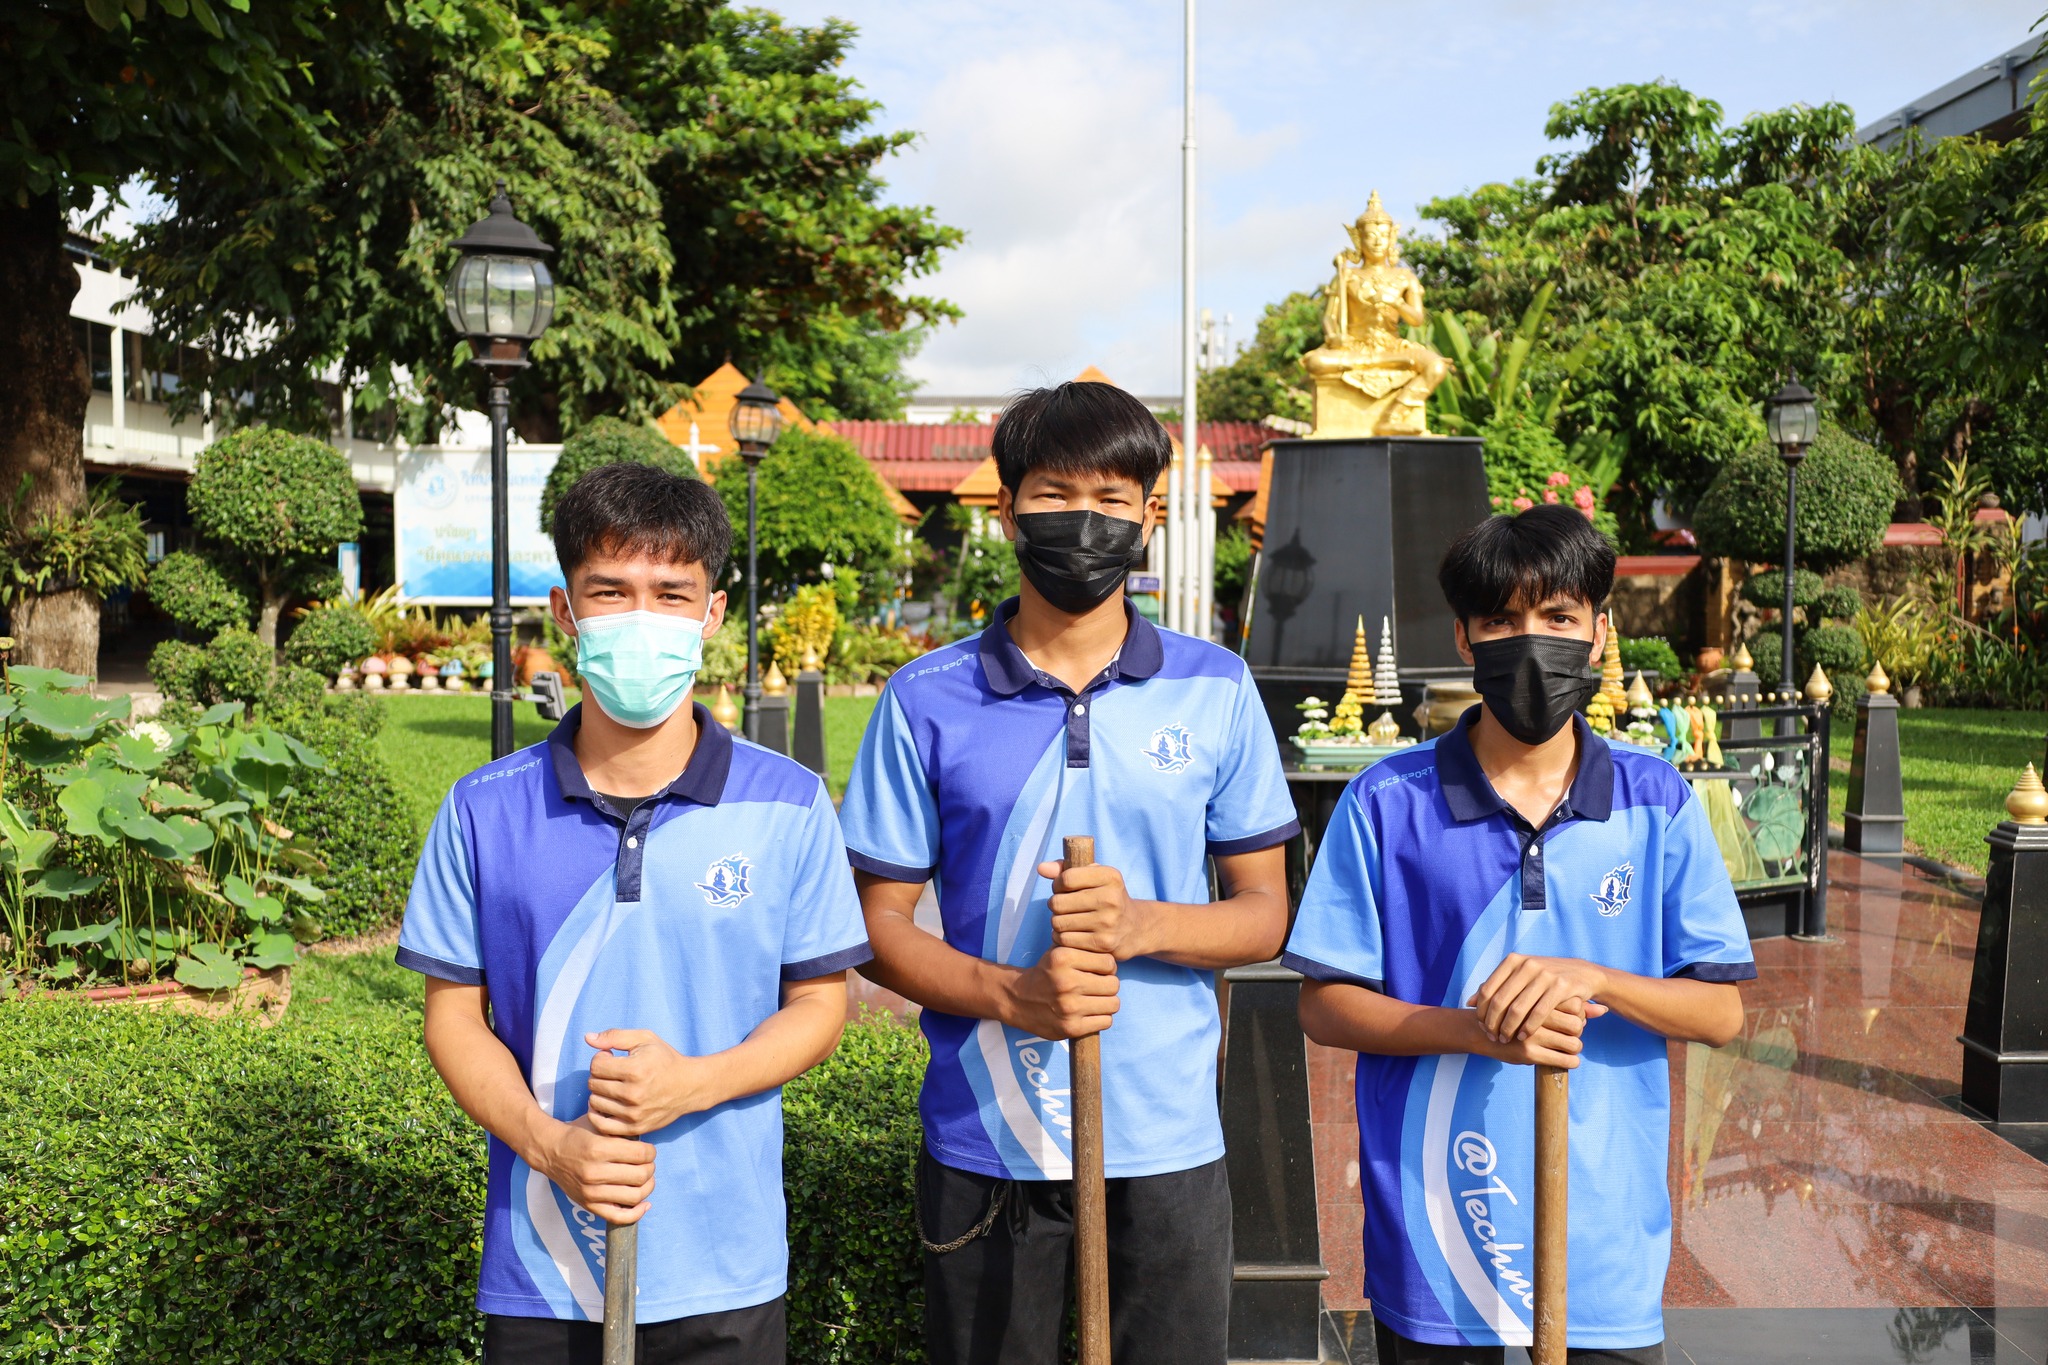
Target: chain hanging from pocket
[{"x": 988, "y": 1220}]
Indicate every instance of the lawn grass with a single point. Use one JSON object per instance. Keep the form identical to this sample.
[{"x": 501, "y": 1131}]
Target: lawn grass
[
  {"x": 429, "y": 742},
  {"x": 344, "y": 987},
  {"x": 1958, "y": 766}
]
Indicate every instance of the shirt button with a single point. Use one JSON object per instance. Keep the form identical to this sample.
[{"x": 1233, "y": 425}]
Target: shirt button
[
  {"x": 1080, "y": 709},
  {"x": 632, "y": 841}
]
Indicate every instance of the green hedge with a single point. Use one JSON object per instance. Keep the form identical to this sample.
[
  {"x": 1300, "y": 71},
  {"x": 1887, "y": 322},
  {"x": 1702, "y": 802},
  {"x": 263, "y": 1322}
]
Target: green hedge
[
  {"x": 1847, "y": 491},
  {"x": 181, "y": 1190},
  {"x": 355, "y": 815}
]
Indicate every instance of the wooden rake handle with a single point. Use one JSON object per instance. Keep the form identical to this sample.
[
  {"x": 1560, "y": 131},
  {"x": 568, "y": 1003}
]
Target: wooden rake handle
[
  {"x": 1553, "y": 1165},
  {"x": 1091, "y": 1218},
  {"x": 621, "y": 1271}
]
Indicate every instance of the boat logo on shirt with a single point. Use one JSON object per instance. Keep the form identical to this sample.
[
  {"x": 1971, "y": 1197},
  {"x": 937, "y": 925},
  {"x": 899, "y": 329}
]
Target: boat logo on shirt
[
  {"x": 1612, "y": 897},
  {"x": 1171, "y": 749},
  {"x": 725, "y": 881}
]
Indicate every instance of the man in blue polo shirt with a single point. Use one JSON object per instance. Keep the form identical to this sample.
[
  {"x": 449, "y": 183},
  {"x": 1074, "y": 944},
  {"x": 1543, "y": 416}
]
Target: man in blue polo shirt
[
  {"x": 632, "y": 935},
  {"x": 1071, "y": 714},
  {"x": 1518, "y": 891}
]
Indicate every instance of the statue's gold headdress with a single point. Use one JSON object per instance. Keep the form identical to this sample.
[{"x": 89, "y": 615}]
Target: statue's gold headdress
[{"x": 1374, "y": 213}]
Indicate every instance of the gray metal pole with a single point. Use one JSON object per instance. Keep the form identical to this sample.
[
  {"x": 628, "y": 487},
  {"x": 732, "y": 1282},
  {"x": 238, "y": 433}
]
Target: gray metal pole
[
  {"x": 751, "y": 722},
  {"x": 501, "y": 572},
  {"x": 1189, "y": 497},
  {"x": 1785, "y": 678}
]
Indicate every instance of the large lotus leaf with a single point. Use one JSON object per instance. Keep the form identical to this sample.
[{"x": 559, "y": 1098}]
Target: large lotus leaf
[
  {"x": 23, "y": 846},
  {"x": 71, "y": 715},
  {"x": 82, "y": 800},
  {"x": 225, "y": 810},
  {"x": 62, "y": 884},
  {"x": 152, "y": 834},
  {"x": 9, "y": 703},
  {"x": 266, "y": 747},
  {"x": 31, "y": 679},
  {"x": 306, "y": 754},
  {"x": 267, "y": 910},
  {"x": 139, "y": 753},
  {"x": 272, "y": 950},
  {"x": 299, "y": 886},
  {"x": 86, "y": 933},
  {"x": 188, "y": 835},
  {"x": 1780, "y": 825},
  {"x": 220, "y": 713},
  {"x": 259, "y": 782},
  {"x": 124, "y": 793},
  {"x": 170, "y": 796},
  {"x": 209, "y": 969},
  {"x": 238, "y": 890},
  {"x": 154, "y": 946},
  {"x": 43, "y": 751}
]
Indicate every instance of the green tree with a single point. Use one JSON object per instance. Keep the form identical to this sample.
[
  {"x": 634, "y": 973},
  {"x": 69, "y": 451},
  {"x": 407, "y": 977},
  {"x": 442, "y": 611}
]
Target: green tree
[
  {"x": 98, "y": 93},
  {"x": 819, "y": 504},
  {"x": 196, "y": 592},
  {"x": 609, "y": 441},
  {"x": 1846, "y": 493},
  {"x": 272, "y": 501},
  {"x": 1266, "y": 378}
]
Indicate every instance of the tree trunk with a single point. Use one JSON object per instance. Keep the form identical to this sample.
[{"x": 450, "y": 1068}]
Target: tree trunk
[
  {"x": 44, "y": 386},
  {"x": 267, "y": 616},
  {"x": 64, "y": 627}
]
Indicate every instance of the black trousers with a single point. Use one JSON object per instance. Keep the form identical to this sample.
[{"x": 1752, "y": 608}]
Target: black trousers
[
  {"x": 1001, "y": 1298},
  {"x": 739, "y": 1336},
  {"x": 1395, "y": 1349}
]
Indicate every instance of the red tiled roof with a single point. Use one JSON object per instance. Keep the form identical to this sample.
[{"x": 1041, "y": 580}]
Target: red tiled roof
[
  {"x": 924, "y": 476},
  {"x": 923, "y": 457}
]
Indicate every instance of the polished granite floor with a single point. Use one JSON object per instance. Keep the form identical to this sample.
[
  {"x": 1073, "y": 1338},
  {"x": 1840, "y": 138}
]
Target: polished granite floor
[{"x": 1830, "y": 1203}]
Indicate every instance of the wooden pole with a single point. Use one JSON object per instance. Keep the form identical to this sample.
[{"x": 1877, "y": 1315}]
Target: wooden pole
[
  {"x": 1553, "y": 1139},
  {"x": 1091, "y": 1217},
  {"x": 621, "y": 1270}
]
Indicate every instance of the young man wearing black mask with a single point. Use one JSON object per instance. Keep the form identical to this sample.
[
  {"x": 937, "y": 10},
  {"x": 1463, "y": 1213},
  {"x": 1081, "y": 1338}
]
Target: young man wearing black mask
[
  {"x": 1518, "y": 891},
  {"x": 1071, "y": 714}
]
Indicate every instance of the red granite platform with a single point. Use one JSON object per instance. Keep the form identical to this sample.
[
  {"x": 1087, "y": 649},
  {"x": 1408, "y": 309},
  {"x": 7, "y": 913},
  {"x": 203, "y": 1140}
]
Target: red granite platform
[{"x": 1814, "y": 1162}]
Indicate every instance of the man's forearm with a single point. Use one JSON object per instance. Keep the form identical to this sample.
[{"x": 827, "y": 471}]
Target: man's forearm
[
  {"x": 786, "y": 1044},
  {"x": 1677, "y": 1007},
  {"x": 924, "y": 968},
  {"x": 484, "y": 1078},
  {"x": 1357, "y": 1019},
  {"x": 1248, "y": 927}
]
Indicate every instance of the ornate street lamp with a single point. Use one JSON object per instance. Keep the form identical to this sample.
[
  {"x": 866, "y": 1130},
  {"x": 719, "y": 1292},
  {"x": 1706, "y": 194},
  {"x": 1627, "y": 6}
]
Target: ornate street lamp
[
  {"x": 756, "y": 421},
  {"x": 1793, "y": 420},
  {"x": 501, "y": 297}
]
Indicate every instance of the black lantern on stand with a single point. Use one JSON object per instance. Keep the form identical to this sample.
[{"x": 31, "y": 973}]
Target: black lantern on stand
[
  {"x": 756, "y": 421},
  {"x": 1793, "y": 420},
  {"x": 501, "y": 296}
]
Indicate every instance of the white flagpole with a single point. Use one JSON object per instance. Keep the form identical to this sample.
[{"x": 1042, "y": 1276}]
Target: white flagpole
[{"x": 1185, "y": 507}]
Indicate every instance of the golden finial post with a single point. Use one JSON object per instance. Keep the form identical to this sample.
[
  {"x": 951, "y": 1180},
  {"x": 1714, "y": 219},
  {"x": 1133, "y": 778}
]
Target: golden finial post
[
  {"x": 1818, "y": 688},
  {"x": 774, "y": 684},
  {"x": 2027, "y": 803},
  {"x": 1877, "y": 683},
  {"x": 724, "y": 710},
  {"x": 1742, "y": 663}
]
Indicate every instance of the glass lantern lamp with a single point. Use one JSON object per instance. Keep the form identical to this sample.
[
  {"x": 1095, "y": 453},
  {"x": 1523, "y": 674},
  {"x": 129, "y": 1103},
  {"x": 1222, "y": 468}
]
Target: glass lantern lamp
[
  {"x": 500, "y": 294},
  {"x": 756, "y": 419},
  {"x": 1792, "y": 417}
]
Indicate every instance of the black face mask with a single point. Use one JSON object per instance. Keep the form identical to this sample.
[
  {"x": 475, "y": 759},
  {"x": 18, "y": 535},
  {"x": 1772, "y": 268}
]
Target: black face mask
[
  {"x": 1533, "y": 683},
  {"x": 1076, "y": 559}
]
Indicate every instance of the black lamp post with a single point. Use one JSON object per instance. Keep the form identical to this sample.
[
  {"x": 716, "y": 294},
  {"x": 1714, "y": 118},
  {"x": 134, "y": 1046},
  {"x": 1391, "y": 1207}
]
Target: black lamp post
[
  {"x": 1793, "y": 420},
  {"x": 501, "y": 297},
  {"x": 756, "y": 422}
]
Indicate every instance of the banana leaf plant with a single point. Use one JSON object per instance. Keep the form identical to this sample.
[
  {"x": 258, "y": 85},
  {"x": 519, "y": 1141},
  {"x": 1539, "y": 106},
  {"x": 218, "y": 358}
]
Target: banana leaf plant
[{"x": 128, "y": 849}]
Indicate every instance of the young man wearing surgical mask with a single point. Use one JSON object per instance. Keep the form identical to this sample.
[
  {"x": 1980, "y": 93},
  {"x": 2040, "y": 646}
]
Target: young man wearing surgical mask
[
  {"x": 1071, "y": 714},
  {"x": 633, "y": 934},
  {"x": 1518, "y": 891}
]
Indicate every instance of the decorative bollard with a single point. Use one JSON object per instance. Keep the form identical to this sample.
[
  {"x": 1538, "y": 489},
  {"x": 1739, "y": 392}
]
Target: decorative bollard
[
  {"x": 774, "y": 730},
  {"x": 807, "y": 745},
  {"x": 1874, "y": 823},
  {"x": 2005, "y": 1029},
  {"x": 1745, "y": 689}
]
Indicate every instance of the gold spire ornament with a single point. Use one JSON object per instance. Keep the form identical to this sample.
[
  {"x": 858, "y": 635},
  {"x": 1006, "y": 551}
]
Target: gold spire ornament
[
  {"x": 1369, "y": 379},
  {"x": 810, "y": 662},
  {"x": 1359, "y": 681},
  {"x": 1638, "y": 695},
  {"x": 1818, "y": 688},
  {"x": 1610, "y": 671},
  {"x": 2027, "y": 803},
  {"x": 773, "y": 684},
  {"x": 1742, "y": 663},
  {"x": 1877, "y": 684},
  {"x": 725, "y": 710}
]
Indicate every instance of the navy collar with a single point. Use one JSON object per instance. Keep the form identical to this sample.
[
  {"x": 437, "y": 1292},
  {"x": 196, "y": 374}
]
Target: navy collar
[
  {"x": 1471, "y": 796},
  {"x": 703, "y": 781},
  {"x": 1009, "y": 672}
]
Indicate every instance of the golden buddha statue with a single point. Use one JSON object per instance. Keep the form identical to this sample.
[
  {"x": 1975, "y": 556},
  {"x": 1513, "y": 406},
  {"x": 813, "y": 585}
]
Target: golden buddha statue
[{"x": 1369, "y": 379}]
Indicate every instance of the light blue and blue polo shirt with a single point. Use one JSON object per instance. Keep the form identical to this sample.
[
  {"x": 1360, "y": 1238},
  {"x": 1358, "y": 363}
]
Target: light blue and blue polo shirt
[
  {"x": 684, "y": 919},
  {"x": 975, "y": 766},
  {"x": 1425, "y": 880}
]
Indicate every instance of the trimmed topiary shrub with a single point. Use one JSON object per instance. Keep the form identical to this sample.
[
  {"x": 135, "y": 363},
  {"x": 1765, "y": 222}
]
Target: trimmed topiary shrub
[
  {"x": 176, "y": 1189},
  {"x": 820, "y": 504},
  {"x": 238, "y": 668},
  {"x": 1840, "y": 601},
  {"x": 1839, "y": 652},
  {"x": 179, "y": 668},
  {"x": 355, "y": 814},
  {"x": 198, "y": 594},
  {"x": 1652, "y": 652},
  {"x": 272, "y": 501},
  {"x": 1847, "y": 491},
  {"x": 607, "y": 440},
  {"x": 1767, "y": 589},
  {"x": 327, "y": 638}
]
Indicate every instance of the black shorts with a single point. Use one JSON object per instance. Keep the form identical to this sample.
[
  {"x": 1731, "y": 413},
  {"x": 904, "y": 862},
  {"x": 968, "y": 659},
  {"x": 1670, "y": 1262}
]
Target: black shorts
[
  {"x": 739, "y": 1336},
  {"x": 1001, "y": 1298},
  {"x": 1395, "y": 1349}
]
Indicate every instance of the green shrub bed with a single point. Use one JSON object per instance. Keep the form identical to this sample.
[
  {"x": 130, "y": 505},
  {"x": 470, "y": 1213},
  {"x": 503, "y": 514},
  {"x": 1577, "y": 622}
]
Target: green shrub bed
[{"x": 193, "y": 1191}]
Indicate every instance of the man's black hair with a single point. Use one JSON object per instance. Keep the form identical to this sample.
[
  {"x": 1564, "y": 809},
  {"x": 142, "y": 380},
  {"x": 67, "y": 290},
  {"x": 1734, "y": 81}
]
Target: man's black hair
[
  {"x": 1080, "y": 428},
  {"x": 639, "y": 509},
  {"x": 1546, "y": 552}
]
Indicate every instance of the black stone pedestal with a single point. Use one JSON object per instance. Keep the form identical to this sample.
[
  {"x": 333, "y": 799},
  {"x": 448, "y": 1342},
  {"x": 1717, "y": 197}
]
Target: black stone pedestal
[
  {"x": 807, "y": 745},
  {"x": 1357, "y": 528},
  {"x": 1277, "y": 1280},
  {"x": 2005, "y": 1030},
  {"x": 774, "y": 731},
  {"x": 1874, "y": 824},
  {"x": 1745, "y": 684}
]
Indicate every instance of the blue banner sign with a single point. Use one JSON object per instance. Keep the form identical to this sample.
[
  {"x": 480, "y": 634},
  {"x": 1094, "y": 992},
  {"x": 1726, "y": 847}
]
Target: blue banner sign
[{"x": 441, "y": 514}]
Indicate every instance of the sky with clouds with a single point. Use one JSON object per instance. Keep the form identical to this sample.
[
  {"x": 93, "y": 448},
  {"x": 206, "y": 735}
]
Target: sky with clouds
[{"x": 1050, "y": 131}]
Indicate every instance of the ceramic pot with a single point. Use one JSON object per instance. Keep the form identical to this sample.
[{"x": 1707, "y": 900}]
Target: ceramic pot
[{"x": 1443, "y": 703}]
